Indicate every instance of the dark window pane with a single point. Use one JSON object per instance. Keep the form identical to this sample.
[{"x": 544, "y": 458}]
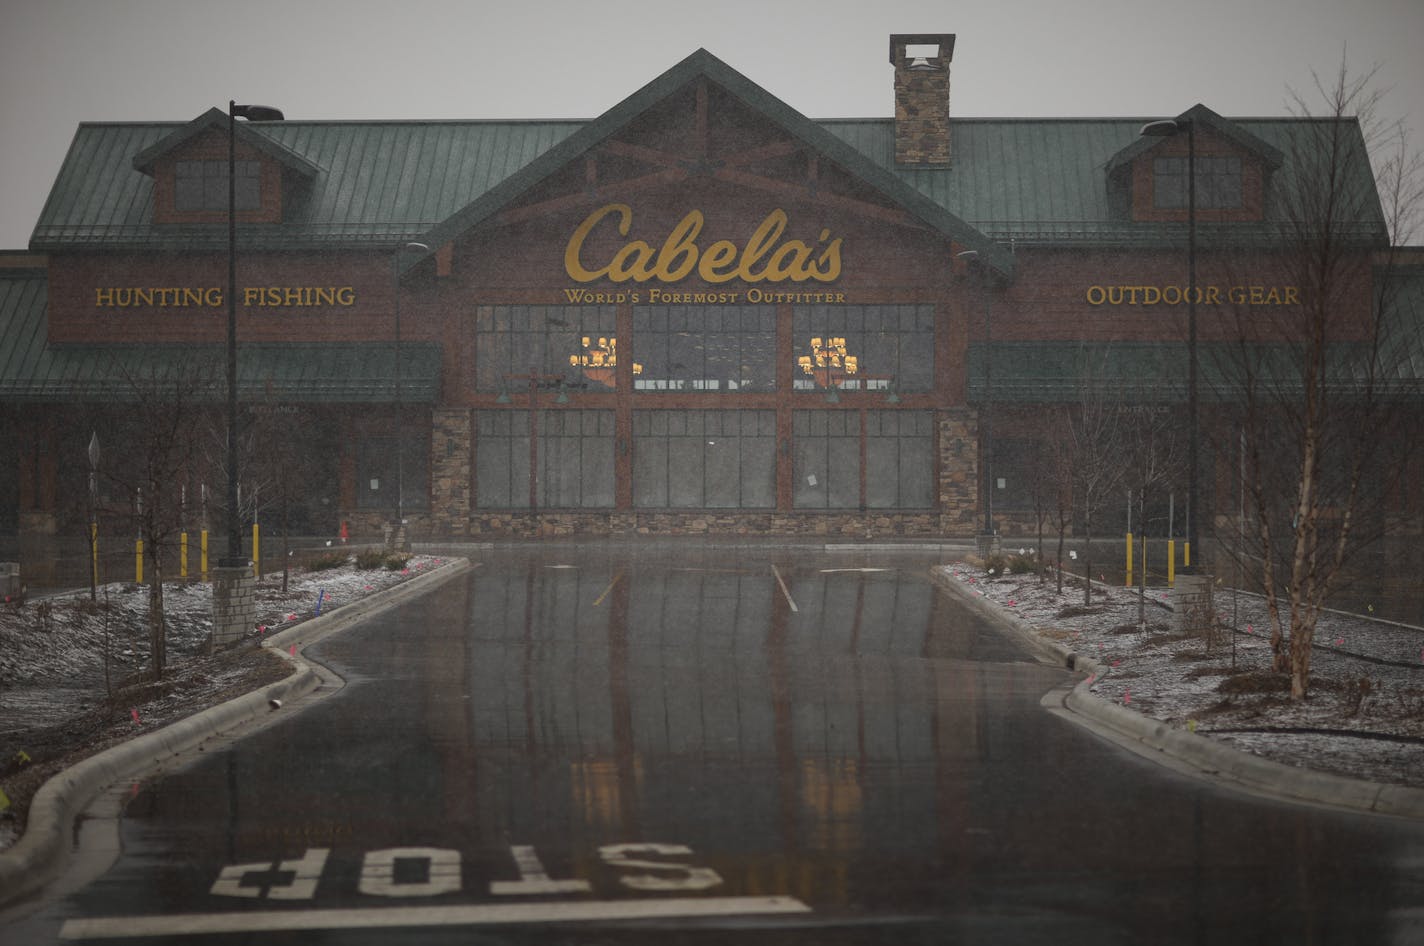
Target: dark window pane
[
  {"x": 575, "y": 459},
  {"x": 388, "y": 467},
  {"x": 1218, "y": 180},
  {"x": 826, "y": 460},
  {"x": 864, "y": 348},
  {"x": 1169, "y": 183},
  {"x": 699, "y": 348},
  {"x": 704, "y": 459},
  {"x": 202, "y": 185},
  {"x": 571, "y": 345}
]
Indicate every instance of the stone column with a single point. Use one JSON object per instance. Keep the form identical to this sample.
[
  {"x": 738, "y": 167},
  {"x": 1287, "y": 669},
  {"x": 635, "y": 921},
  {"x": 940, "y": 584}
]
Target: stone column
[
  {"x": 234, "y": 604},
  {"x": 958, "y": 472},
  {"x": 451, "y": 434},
  {"x": 1192, "y": 603}
]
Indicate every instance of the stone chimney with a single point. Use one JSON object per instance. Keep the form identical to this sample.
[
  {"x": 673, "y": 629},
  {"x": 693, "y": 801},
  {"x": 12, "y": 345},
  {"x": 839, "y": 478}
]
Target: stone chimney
[{"x": 921, "y": 62}]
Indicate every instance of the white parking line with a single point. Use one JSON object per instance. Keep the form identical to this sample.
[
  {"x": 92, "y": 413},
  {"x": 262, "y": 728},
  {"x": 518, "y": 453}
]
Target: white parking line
[
  {"x": 783, "y": 589},
  {"x": 209, "y": 924}
]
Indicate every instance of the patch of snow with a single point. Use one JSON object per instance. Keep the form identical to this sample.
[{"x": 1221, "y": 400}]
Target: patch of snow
[{"x": 1367, "y": 676}]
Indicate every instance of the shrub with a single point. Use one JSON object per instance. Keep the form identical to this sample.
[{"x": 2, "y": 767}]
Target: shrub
[
  {"x": 395, "y": 563},
  {"x": 370, "y": 558},
  {"x": 1022, "y": 565},
  {"x": 327, "y": 561}
]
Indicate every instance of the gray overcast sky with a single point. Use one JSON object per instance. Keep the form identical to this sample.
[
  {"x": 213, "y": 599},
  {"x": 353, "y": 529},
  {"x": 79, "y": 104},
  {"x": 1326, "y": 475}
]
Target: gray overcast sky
[{"x": 67, "y": 61}]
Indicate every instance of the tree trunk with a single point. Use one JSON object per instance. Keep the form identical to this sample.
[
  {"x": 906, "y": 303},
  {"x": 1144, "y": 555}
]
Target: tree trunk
[
  {"x": 1087, "y": 562},
  {"x": 157, "y": 631},
  {"x": 1062, "y": 530},
  {"x": 1302, "y": 637}
]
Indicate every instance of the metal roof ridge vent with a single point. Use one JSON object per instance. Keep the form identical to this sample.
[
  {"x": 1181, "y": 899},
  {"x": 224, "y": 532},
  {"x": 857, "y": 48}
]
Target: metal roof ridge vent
[{"x": 921, "y": 62}]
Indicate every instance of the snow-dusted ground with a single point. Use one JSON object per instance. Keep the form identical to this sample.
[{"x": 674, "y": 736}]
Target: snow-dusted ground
[
  {"x": 62, "y": 656},
  {"x": 1364, "y": 716},
  {"x": 42, "y": 658}
]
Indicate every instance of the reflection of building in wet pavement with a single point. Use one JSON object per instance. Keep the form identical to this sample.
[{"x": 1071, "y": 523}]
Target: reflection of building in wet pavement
[{"x": 689, "y": 700}]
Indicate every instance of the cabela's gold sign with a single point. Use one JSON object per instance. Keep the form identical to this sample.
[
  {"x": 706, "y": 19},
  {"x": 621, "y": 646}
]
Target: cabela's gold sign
[
  {"x": 765, "y": 257},
  {"x": 176, "y": 297},
  {"x": 1204, "y": 295}
]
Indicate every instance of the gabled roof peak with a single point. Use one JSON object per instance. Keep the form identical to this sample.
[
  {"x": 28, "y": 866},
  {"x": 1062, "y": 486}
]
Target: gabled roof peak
[
  {"x": 1199, "y": 117},
  {"x": 215, "y": 119},
  {"x": 703, "y": 64}
]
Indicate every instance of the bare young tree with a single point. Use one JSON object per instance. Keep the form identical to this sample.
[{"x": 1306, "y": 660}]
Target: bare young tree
[
  {"x": 1152, "y": 461},
  {"x": 1053, "y": 482},
  {"x": 1094, "y": 441},
  {"x": 160, "y": 427},
  {"x": 1320, "y": 413}
]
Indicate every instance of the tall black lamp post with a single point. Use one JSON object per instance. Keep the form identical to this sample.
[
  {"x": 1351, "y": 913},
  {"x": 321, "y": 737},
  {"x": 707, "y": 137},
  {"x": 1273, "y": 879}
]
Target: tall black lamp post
[
  {"x": 255, "y": 113},
  {"x": 986, "y": 430},
  {"x": 1164, "y": 129},
  {"x": 94, "y": 515},
  {"x": 398, "y": 535}
]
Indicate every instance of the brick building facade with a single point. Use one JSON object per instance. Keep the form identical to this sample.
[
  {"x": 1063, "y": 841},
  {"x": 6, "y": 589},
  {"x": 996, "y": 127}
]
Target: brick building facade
[{"x": 700, "y": 312}]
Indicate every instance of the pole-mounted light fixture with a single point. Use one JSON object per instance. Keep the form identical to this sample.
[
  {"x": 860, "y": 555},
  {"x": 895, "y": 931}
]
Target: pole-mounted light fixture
[
  {"x": 252, "y": 113},
  {"x": 94, "y": 515},
  {"x": 400, "y": 406},
  {"x": 985, "y": 422},
  {"x": 1166, "y": 128}
]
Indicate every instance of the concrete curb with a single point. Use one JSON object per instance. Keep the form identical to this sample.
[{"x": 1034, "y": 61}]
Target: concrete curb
[
  {"x": 1200, "y": 752},
  {"x": 41, "y": 853}
]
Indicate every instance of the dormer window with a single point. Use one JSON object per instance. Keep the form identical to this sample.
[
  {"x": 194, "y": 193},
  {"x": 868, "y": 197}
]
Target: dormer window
[
  {"x": 1218, "y": 183},
  {"x": 202, "y": 185},
  {"x": 1147, "y": 179},
  {"x": 189, "y": 170}
]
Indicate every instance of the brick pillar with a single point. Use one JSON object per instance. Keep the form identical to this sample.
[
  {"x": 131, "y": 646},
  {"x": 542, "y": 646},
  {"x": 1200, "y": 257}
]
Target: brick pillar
[
  {"x": 234, "y": 604},
  {"x": 451, "y": 432},
  {"x": 959, "y": 472},
  {"x": 922, "y": 98}
]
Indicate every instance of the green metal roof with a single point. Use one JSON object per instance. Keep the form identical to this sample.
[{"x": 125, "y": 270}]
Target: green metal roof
[
  {"x": 1012, "y": 181},
  {"x": 1045, "y": 181},
  {"x": 1065, "y": 372},
  {"x": 380, "y": 182},
  {"x": 31, "y": 370}
]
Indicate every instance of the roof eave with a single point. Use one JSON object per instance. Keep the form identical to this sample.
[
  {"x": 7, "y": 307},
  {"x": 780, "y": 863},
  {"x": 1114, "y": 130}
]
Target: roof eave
[{"x": 703, "y": 64}]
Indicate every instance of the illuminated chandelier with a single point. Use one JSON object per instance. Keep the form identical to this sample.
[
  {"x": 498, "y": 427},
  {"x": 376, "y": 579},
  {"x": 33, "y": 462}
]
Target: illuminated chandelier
[
  {"x": 828, "y": 363},
  {"x": 599, "y": 362}
]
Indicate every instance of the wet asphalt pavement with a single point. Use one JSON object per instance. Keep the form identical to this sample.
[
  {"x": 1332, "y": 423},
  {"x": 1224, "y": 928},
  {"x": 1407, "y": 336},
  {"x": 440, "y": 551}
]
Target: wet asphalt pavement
[{"x": 684, "y": 744}]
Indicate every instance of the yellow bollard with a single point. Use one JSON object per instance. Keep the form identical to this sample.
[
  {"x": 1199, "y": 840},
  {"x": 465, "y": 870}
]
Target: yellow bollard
[
  {"x": 1171, "y": 563},
  {"x": 1186, "y": 555},
  {"x": 138, "y": 562},
  {"x": 256, "y": 553},
  {"x": 203, "y": 553},
  {"x": 182, "y": 555},
  {"x": 1128, "y": 582}
]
